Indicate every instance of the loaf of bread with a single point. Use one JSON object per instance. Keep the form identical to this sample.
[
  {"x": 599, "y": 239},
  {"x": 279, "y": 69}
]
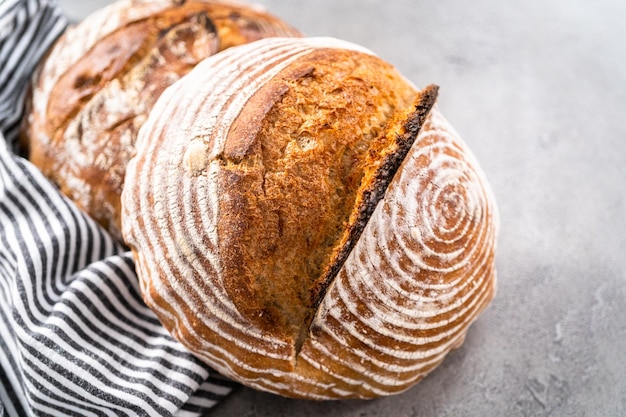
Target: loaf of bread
[
  {"x": 306, "y": 221},
  {"x": 96, "y": 87}
]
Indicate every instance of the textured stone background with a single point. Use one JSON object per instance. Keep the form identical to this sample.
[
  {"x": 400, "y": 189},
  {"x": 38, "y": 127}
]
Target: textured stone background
[{"x": 537, "y": 88}]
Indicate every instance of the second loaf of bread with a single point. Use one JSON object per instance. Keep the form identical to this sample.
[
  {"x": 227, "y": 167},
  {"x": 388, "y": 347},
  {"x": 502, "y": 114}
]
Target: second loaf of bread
[
  {"x": 307, "y": 222},
  {"x": 94, "y": 90}
]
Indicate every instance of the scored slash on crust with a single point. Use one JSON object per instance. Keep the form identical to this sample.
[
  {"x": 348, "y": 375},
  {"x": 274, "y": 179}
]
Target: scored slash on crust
[{"x": 405, "y": 131}]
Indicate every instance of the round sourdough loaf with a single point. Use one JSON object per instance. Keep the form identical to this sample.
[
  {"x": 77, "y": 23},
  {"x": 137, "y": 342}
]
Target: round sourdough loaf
[
  {"x": 307, "y": 222},
  {"x": 96, "y": 87}
]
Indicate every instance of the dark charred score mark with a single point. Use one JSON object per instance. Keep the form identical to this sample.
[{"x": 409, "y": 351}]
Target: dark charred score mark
[
  {"x": 164, "y": 32},
  {"x": 383, "y": 177},
  {"x": 87, "y": 80},
  {"x": 122, "y": 122},
  {"x": 205, "y": 20},
  {"x": 416, "y": 120},
  {"x": 80, "y": 131}
]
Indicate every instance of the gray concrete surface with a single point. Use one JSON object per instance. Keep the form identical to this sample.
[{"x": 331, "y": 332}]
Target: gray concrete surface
[{"x": 537, "y": 88}]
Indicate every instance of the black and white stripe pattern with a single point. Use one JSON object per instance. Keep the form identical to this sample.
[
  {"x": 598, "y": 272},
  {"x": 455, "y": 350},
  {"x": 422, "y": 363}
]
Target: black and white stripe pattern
[
  {"x": 75, "y": 336},
  {"x": 27, "y": 29}
]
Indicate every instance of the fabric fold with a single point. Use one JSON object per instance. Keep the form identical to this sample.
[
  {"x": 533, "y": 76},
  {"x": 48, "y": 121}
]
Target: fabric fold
[{"x": 75, "y": 335}]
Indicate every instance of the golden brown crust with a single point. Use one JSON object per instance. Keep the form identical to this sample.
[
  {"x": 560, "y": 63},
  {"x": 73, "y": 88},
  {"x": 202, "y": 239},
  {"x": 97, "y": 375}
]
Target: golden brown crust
[
  {"x": 292, "y": 169},
  {"x": 83, "y": 133},
  {"x": 379, "y": 165}
]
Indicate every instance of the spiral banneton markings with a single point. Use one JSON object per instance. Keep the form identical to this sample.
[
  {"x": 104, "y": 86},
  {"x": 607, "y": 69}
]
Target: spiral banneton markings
[{"x": 420, "y": 273}]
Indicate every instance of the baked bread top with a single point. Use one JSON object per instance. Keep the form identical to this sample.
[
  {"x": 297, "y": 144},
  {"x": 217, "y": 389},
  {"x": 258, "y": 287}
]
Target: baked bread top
[
  {"x": 94, "y": 90},
  {"x": 305, "y": 220}
]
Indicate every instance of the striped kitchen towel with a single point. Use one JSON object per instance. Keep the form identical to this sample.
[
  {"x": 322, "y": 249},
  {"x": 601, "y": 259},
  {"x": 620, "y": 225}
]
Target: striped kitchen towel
[{"x": 75, "y": 336}]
